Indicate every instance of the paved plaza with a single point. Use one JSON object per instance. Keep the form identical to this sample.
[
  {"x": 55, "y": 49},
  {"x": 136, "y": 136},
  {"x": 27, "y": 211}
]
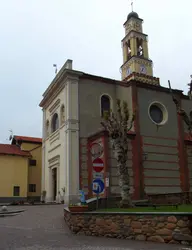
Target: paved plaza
[{"x": 43, "y": 228}]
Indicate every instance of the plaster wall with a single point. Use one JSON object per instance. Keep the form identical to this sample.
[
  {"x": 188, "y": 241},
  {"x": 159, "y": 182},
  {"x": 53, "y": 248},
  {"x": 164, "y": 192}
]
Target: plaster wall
[{"x": 161, "y": 168}]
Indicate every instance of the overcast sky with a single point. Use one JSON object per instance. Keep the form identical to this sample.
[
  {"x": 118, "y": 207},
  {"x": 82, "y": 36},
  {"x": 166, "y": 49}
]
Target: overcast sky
[{"x": 35, "y": 34}]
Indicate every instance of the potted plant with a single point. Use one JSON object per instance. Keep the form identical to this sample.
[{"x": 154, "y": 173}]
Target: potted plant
[
  {"x": 43, "y": 196},
  {"x": 75, "y": 208},
  {"x": 62, "y": 198}
]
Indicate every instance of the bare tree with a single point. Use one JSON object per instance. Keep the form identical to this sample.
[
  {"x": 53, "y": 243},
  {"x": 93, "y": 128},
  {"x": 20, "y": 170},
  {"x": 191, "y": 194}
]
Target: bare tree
[
  {"x": 190, "y": 88},
  {"x": 118, "y": 127},
  {"x": 186, "y": 118}
]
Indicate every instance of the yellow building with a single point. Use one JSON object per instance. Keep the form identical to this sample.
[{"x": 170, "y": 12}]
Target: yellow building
[{"x": 20, "y": 165}]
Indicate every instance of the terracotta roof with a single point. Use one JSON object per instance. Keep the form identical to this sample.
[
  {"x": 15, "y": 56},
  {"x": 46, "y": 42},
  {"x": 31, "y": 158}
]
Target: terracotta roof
[
  {"x": 27, "y": 139},
  {"x": 12, "y": 150}
]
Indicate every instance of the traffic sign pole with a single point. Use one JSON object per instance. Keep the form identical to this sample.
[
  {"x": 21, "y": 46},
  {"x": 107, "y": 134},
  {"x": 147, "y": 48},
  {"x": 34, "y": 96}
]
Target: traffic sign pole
[{"x": 97, "y": 205}]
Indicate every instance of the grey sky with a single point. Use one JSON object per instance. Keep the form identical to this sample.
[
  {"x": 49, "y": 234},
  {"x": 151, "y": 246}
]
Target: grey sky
[{"x": 35, "y": 34}]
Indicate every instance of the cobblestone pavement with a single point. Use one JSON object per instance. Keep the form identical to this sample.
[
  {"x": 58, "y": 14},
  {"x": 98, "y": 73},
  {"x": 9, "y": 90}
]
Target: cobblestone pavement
[{"x": 43, "y": 228}]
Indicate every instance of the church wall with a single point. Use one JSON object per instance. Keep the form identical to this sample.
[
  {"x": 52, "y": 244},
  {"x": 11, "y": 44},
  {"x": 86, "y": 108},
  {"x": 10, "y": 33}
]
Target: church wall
[
  {"x": 189, "y": 161},
  {"x": 145, "y": 98},
  {"x": 125, "y": 94},
  {"x": 187, "y": 106},
  {"x": 90, "y": 117},
  {"x": 161, "y": 166},
  {"x": 90, "y": 92}
]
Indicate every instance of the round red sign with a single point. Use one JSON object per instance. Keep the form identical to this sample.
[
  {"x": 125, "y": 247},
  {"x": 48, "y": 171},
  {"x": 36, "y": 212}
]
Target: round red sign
[{"x": 98, "y": 165}]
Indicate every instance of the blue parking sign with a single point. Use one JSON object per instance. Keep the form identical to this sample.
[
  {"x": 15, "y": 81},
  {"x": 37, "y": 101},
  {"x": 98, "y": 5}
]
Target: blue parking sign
[{"x": 98, "y": 186}]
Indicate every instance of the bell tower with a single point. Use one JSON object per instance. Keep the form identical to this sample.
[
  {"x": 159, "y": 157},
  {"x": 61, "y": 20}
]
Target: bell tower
[{"x": 136, "y": 62}]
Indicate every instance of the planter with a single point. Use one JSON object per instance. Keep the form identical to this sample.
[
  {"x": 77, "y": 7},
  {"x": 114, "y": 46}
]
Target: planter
[{"x": 76, "y": 209}]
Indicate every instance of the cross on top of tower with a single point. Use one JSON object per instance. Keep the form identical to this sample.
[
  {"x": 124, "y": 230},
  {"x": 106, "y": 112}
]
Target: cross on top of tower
[{"x": 132, "y": 5}]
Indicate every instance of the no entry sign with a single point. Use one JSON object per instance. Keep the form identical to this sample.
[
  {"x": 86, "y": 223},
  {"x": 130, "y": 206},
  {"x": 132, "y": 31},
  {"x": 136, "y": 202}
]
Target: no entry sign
[{"x": 98, "y": 165}]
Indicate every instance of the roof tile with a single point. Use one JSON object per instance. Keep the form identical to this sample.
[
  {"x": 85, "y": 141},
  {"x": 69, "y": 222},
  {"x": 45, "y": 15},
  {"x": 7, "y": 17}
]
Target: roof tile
[{"x": 13, "y": 150}]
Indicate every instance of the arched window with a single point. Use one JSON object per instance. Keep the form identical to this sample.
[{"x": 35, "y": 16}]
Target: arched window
[
  {"x": 140, "y": 47},
  {"x": 105, "y": 104},
  {"x": 47, "y": 128},
  {"x": 62, "y": 114},
  {"x": 55, "y": 123}
]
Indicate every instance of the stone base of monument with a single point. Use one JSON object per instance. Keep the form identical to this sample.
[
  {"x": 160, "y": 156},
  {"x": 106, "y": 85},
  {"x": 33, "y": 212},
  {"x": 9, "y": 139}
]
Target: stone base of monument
[{"x": 4, "y": 211}]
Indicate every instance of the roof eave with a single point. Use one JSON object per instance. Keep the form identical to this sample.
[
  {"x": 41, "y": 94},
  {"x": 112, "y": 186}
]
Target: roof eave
[
  {"x": 24, "y": 140},
  {"x": 21, "y": 155}
]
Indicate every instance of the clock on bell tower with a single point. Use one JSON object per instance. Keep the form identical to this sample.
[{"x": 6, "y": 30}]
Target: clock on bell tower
[{"x": 136, "y": 62}]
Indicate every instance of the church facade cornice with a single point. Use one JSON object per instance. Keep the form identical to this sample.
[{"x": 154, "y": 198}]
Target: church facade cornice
[
  {"x": 138, "y": 59},
  {"x": 58, "y": 84},
  {"x": 140, "y": 19},
  {"x": 135, "y": 34},
  {"x": 138, "y": 77}
]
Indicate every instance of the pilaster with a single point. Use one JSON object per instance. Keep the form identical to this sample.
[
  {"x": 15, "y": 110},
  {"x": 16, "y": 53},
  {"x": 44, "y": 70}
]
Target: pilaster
[
  {"x": 43, "y": 155},
  {"x": 145, "y": 49},
  {"x": 72, "y": 139}
]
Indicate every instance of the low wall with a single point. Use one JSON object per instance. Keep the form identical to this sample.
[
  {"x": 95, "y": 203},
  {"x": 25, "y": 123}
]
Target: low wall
[
  {"x": 11, "y": 199},
  {"x": 156, "y": 227}
]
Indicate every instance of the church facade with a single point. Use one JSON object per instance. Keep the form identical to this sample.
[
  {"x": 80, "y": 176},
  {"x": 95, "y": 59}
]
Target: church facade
[{"x": 77, "y": 152}]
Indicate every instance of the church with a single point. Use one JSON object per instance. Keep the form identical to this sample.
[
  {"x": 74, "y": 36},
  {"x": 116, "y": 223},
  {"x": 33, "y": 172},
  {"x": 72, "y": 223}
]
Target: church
[{"x": 77, "y": 152}]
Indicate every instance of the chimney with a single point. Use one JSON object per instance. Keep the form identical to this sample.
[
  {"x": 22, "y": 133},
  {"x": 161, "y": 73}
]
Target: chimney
[{"x": 68, "y": 64}]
